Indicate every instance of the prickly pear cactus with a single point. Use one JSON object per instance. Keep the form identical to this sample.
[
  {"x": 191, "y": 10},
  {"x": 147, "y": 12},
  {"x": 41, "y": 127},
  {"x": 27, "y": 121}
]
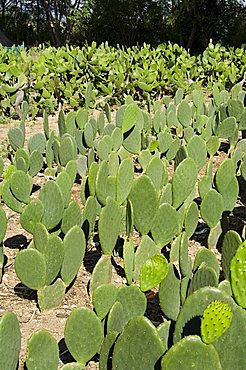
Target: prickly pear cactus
[
  {"x": 230, "y": 245},
  {"x": 3, "y": 224},
  {"x": 153, "y": 271},
  {"x": 51, "y": 197},
  {"x": 191, "y": 352},
  {"x": 51, "y": 296},
  {"x": 40, "y": 343},
  {"x": 166, "y": 225},
  {"x": 10, "y": 341},
  {"x": 238, "y": 275},
  {"x": 216, "y": 320},
  {"x": 103, "y": 298},
  {"x": 31, "y": 215},
  {"x": 83, "y": 334},
  {"x": 102, "y": 273},
  {"x": 139, "y": 345}
]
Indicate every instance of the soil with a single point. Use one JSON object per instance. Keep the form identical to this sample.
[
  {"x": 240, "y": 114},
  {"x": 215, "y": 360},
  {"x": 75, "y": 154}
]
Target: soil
[{"x": 17, "y": 298}]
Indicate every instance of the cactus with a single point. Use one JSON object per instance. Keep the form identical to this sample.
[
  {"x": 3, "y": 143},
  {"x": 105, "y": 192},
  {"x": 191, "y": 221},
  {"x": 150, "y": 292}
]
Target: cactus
[
  {"x": 230, "y": 245},
  {"x": 197, "y": 150},
  {"x": 3, "y": 224},
  {"x": 128, "y": 257},
  {"x": 73, "y": 366},
  {"x": 106, "y": 349},
  {"x": 117, "y": 138},
  {"x": 132, "y": 142},
  {"x": 9, "y": 198},
  {"x": 183, "y": 182},
  {"x": 144, "y": 158},
  {"x": 20, "y": 156},
  {"x": 213, "y": 145},
  {"x": 81, "y": 118},
  {"x": 153, "y": 271},
  {"x": 216, "y": 320},
  {"x": 101, "y": 182},
  {"x": 37, "y": 142},
  {"x": 102, "y": 273},
  {"x": 71, "y": 216},
  {"x": 10, "y": 341},
  {"x": 173, "y": 149},
  {"x": 40, "y": 237},
  {"x": 61, "y": 123},
  {"x": 163, "y": 330},
  {"x": 130, "y": 118},
  {"x": 124, "y": 180},
  {"x": 36, "y": 163},
  {"x": 235, "y": 108},
  {"x": 74, "y": 251},
  {"x": 205, "y": 255},
  {"x": 195, "y": 305},
  {"x": 54, "y": 255},
  {"x": 110, "y": 215},
  {"x": 203, "y": 276},
  {"x": 83, "y": 334},
  {"x": 16, "y": 138},
  {"x": 164, "y": 140},
  {"x": 52, "y": 199},
  {"x": 212, "y": 207},
  {"x": 226, "y": 184},
  {"x": 103, "y": 298},
  {"x": 89, "y": 215},
  {"x": 30, "y": 267},
  {"x": 21, "y": 186},
  {"x": 146, "y": 249},
  {"x": 51, "y": 296},
  {"x": 40, "y": 343},
  {"x": 145, "y": 203},
  {"x": 191, "y": 219},
  {"x": 183, "y": 255},
  {"x": 113, "y": 163},
  {"x": 166, "y": 225},
  {"x": 67, "y": 150},
  {"x": 32, "y": 214},
  {"x": 169, "y": 294},
  {"x": 238, "y": 275},
  {"x": 157, "y": 172},
  {"x": 166, "y": 195},
  {"x": 184, "y": 113},
  {"x": 138, "y": 346},
  {"x": 89, "y": 135},
  {"x": 191, "y": 352},
  {"x": 65, "y": 184},
  {"x": 133, "y": 301},
  {"x": 227, "y": 128}
]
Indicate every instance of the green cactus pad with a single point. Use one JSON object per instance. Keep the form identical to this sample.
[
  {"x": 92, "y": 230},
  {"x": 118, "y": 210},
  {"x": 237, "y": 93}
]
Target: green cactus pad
[
  {"x": 71, "y": 170},
  {"x": 51, "y": 197},
  {"x": 130, "y": 117},
  {"x": 30, "y": 267},
  {"x": 206, "y": 256},
  {"x": 40, "y": 237},
  {"x": 166, "y": 195},
  {"x": 22, "y": 159},
  {"x": 230, "y": 245},
  {"x": 89, "y": 215},
  {"x": 204, "y": 276},
  {"x": 227, "y": 128},
  {"x": 10, "y": 341},
  {"x": 40, "y": 343},
  {"x": 163, "y": 330},
  {"x": 67, "y": 150},
  {"x": 146, "y": 249},
  {"x": 16, "y": 137},
  {"x": 238, "y": 275},
  {"x": 36, "y": 163},
  {"x": 54, "y": 255},
  {"x": 227, "y": 184},
  {"x": 138, "y": 346},
  {"x": 71, "y": 216},
  {"x": 133, "y": 301},
  {"x": 124, "y": 180},
  {"x": 195, "y": 305},
  {"x": 106, "y": 349},
  {"x": 157, "y": 172},
  {"x": 37, "y": 142},
  {"x": 103, "y": 298},
  {"x": 212, "y": 207},
  {"x": 145, "y": 203},
  {"x": 128, "y": 257},
  {"x": 101, "y": 182},
  {"x": 166, "y": 225},
  {"x": 73, "y": 366},
  {"x": 32, "y": 214},
  {"x": 153, "y": 271},
  {"x": 21, "y": 186},
  {"x": 102, "y": 273},
  {"x": 3, "y": 224},
  {"x": 197, "y": 150},
  {"x": 65, "y": 184},
  {"x": 184, "y": 113},
  {"x": 110, "y": 215},
  {"x": 190, "y": 353},
  {"x": 169, "y": 294},
  {"x": 9, "y": 198},
  {"x": 51, "y": 296},
  {"x": 191, "y": 219},
  {"x": 83, "y": 334},
  {"x": 132, "y": 143},
  {"x": 183, "y": 255},
  {"x": 183, "y": 182},
  {"x": 215, "y": 321},
  {"x": 213, "y": 145},
  {"x": 74, "y": 251}
]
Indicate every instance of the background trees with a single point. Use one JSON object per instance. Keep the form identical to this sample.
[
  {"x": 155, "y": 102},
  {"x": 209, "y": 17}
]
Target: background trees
[{"x": 191, "y": 23}]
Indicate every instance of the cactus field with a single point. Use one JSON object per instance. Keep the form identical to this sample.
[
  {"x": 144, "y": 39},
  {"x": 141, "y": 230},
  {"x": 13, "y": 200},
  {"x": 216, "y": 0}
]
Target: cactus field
[{"x": 122, "y": 215}]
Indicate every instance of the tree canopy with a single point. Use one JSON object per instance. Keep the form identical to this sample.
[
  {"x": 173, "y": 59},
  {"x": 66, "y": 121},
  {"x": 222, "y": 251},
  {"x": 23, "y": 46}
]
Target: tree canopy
[{"x": 191, "y": 23}]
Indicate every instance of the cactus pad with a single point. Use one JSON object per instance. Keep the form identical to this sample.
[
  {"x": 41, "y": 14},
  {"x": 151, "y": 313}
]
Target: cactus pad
[
  {"x": 165, "y": 225},
  {"x": 32, "y": 214},
  {"x": 51, "y": 197},
  {"x": 238, "y": 275},
  {"x": 10, "y": 341},
  {"x": 215, "y": 321},
  {"x": 153, "y": 271},
  {"x": 103, "y": 299},
  {"x": 51, "y": 296}
]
